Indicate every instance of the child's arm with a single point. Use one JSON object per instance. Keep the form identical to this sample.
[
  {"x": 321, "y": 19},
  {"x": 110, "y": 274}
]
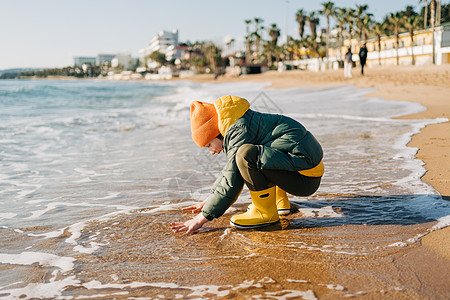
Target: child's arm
[{"x": 196, "y": 208}]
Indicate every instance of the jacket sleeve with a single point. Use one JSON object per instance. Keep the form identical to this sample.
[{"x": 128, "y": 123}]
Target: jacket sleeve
[{"x": 229, "y": 184}]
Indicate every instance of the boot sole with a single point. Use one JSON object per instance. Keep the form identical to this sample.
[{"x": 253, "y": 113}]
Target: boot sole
[
  {"x": 253, "y": 226},
  {"x": 283, "y": 212}
]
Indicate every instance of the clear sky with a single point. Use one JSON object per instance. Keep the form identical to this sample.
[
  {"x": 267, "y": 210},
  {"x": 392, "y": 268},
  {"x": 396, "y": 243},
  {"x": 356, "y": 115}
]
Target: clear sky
[{"x": 48, "y": 33}]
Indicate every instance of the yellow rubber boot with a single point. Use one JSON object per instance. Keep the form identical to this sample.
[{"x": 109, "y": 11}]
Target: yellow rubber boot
[
  {"x": 283, "y": 205},
  {"x": 262, "y": 212}
]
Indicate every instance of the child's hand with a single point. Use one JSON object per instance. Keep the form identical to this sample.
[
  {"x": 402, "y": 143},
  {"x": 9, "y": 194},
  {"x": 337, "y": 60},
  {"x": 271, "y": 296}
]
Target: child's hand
[
  {"x": 196, "y": 208},
  {"x": 189, "y": 226}
]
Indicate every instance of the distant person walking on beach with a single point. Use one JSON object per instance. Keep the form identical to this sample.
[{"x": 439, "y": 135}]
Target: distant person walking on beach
[
  {"x": 363, "y": 57},
  {"x": 272, "y": 154},
  {"x": 348, "y": 63}
]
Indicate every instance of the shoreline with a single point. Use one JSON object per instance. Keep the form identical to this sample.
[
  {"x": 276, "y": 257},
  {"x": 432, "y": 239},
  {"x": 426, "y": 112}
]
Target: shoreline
[
  {"x": 426, "y": 85},
  {"x": 133, "y": 253}
]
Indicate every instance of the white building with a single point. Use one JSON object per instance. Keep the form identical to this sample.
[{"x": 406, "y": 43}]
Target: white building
[
  {"x": 102, "y": 58},
  {"x": 124, "y": 60},
  {"x": 81, "y": 60},
  {"x": 164, "y": 42}
]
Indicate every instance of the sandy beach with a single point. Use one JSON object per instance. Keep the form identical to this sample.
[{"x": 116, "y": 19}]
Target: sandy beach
[
  {"x": 427, "y": 265},
  {"x": 90, "y": 217}
]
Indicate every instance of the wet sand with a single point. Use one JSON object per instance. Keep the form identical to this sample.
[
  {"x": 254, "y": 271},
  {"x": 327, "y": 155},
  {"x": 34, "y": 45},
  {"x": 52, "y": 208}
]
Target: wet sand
[
  {"x": 141, "y": 258},
  {"x": 423, "y": 269}
]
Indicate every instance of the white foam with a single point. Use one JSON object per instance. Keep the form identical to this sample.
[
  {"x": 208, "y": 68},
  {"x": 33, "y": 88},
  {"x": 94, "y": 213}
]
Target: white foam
[
  {"x": 48, "y": 235},
  {"x": 398, "y": 244},
  {"x": 107, "y": 296},
  {"x": 441, "y": 223},
  {"x": 336, "y": 287},
  {"x": 7, "y": 215},
  {"x": 95, "y": 284},
  {"x": 111, "y": 195},
  {"x": 201, "y": 291},
  {"x": 326, "y": 248},
  {"x": 323, "y": 212},
  {"x": 43, "y": 259},
  {"x": 225, "y": 233},
  {"x": 297, "y": 281},
  {"x": 114, "y": 277},
  {"x": 291, "y": 294},
  {"x": 47, "y": 290},
  {"x": 88, "y": 250},
  {"x": 52, "y": 205}
]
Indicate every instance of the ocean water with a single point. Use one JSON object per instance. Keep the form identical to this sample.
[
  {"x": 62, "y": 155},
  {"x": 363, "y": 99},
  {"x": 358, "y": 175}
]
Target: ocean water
[{"x": 93, "y": 172}]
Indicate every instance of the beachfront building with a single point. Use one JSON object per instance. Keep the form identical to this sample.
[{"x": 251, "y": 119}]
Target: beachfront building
[
  {"x": 104, "y": 58},
  {"x": 418, "y": 52},
  {"x": 164, "y": 42},
  {"x": 176, "y": 52},
  {"x": 84, "y": 60},
  {"x": 124, "y": 60}
]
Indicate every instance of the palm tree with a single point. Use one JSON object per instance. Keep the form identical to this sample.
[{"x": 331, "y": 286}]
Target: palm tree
[
  {"x": 366, "y": 24},
  {"x": 340, "y": 20},
  {"x": 274, "y": 33},
  {"x": 361, "y": 13},
  {"x": 256, "y": 41},
  {"x": 411, "y": 23},
  {"x": 396, "y": 21},
  {"x": 247, "y": 23},
  {"x": 230, "y": 43},
  {"x": 268, "y": 52},
  {"x": 213, "y": 56},
  {"x": 438, "y": 13},
  {"x": 425, "y": 15},
  {"x": 433, "y": 13},
  {"x": 350, "y": 20},
  {"x": 378, "y": 30},
  {"x": 256, "y": 34},
  {"x": 301, "y": 19},
  {"x": 328, "y": 10},
  {"x": 313, "y": 22},
  {"x": 247, "y": 41}
]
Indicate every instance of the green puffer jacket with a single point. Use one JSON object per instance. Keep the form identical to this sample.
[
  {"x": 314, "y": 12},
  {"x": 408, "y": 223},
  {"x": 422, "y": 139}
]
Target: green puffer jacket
[{"x": 284, "y": 144}]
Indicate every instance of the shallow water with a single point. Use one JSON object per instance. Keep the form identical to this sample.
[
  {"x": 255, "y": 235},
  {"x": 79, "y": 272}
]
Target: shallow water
[{"x": 92, "y": 173}]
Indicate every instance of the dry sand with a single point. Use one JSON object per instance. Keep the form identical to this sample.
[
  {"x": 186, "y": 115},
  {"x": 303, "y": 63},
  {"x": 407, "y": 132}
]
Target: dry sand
[{"x": 427, "y": 85}]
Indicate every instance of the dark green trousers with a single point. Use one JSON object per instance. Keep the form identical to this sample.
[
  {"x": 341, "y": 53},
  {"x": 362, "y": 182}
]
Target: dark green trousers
[{"x": 256, "y": 180}]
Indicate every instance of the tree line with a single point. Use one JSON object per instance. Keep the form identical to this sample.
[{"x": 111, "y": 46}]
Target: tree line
[
  {"x": 262, "y": 43},
  {"x": 350, "y": 24}
]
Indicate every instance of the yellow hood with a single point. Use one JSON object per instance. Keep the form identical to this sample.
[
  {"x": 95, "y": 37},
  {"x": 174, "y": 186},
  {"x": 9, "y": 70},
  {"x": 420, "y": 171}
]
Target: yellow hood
[{"x": 230, "y": 109}]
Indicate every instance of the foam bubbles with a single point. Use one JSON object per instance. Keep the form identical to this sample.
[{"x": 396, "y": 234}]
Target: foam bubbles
[{"x": 44, "y": 259}]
